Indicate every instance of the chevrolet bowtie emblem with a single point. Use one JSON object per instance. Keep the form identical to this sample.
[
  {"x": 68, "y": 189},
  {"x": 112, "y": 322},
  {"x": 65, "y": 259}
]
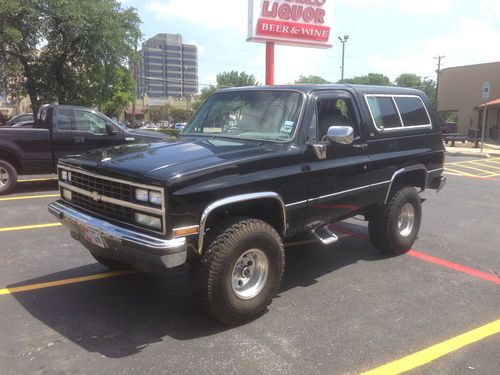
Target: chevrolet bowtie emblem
[{"x": 96, "y": 196}]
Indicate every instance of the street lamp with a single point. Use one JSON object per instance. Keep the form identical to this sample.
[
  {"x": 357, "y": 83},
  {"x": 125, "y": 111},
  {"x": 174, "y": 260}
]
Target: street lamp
[{"x": 343, "y": 41}]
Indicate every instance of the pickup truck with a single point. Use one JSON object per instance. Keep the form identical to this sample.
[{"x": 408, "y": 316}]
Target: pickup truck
[
  {"x": 254, "y": 167},
  {"x": 60, "y": 130}
]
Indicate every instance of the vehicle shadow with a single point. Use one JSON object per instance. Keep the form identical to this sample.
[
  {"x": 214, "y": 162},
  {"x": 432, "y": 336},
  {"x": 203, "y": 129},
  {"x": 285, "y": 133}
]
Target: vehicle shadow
[
  {"x": 120, "y": 316},
  {"x": 35, "y": 187}
]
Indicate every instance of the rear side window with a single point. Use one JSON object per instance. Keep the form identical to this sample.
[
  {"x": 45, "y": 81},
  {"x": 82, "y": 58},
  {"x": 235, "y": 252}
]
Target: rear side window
[
  {"x": 384, "y": 112},
  {"x": 412, "y": 111},
  {"x": 64, "y": 119},
  {"x": 397, "y": 112}
]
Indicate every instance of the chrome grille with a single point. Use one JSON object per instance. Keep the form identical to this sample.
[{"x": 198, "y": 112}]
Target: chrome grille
[
  {"x": 109, "y": 210},
  {"x": 109, "y": 198},
  {"x": 108, "y": 188}
]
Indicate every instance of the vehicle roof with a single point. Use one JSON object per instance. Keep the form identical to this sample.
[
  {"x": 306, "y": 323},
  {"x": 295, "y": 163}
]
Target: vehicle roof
[
  {"x": 68, "y": 106},
  {"x": 308, "y": 88}
]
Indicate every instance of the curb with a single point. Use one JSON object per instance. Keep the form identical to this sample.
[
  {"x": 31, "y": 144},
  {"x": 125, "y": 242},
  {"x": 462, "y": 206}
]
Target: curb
[{"x": 472, "y": 154}]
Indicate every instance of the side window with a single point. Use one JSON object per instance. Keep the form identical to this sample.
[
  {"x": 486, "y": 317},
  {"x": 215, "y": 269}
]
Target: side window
[
  {"x": 89, "y": 122},
  {"x": 63, "y": 119},
  {"x": 412, "y": 111},
  {"x": 335, "y": 112},
  {"x": 313, "y": 126},
  {"x": 384, "y": 112}
]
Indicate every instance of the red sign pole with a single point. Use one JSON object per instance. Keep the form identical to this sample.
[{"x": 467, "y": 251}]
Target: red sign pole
[{"x": 270, "y": 63}]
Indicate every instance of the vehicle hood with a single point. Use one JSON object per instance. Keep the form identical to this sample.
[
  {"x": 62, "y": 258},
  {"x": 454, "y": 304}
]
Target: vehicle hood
[
  {"x": 172, "y": 157},
  {"x": 145, "y": 135}
]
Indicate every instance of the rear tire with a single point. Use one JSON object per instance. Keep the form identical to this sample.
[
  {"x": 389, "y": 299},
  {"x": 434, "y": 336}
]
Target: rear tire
[
  {"x": 394, "y": 227},
  {"x": 8, "y": 177},
  {"x": 111, "y": 263},
  {"x": 241, "y": 271}
]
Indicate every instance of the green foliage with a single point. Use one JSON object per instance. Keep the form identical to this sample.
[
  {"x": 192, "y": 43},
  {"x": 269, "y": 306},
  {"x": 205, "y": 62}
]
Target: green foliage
[
  {"x": 225, "y": 80},
  {"x": 311, "y": 79},
  {"x": 161, "y": 114},
  {"x": 66, "y": 51},
  {"x": 370, "y": 79},
  {"x": 171, "y": 132},
  {"x": 3, "y": 118},
  {"x": 235, "y": 79},
  {"x": 408, "y": 80},
  {"x": 180, "y": 115},
  {"x": 119, "y": 94}
]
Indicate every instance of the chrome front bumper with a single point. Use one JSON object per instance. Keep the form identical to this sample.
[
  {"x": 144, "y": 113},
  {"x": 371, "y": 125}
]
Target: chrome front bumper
[{"x": 134, "y": 248}]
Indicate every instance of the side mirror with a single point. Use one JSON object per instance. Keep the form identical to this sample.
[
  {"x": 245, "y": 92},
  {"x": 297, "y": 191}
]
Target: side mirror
[
  {"x": 111, "y": 130},
  {"x": 341, "y": 134}
]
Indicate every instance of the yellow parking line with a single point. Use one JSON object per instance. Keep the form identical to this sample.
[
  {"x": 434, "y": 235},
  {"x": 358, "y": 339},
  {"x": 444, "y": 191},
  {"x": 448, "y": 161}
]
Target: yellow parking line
[
  {"x": 38, "y": 226},
  {"x": 461, "y": 173},
  {"x": 29, "y": 197},
  {"x": 38, "y": 179},
  {"x": 476, "y": 169},
  {"x": 436, "y": 351},
  {"x": 73, "y": 280},
  {"x": 483, "y": 164}
]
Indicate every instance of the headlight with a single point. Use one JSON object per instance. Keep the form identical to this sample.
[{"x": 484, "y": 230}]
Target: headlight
[
  {"x": 155, "y": 197},
  {"x": 148, "y": 221},
  {"x": 152, "y": 196},
  {"x": 67, "y": 194},
  {"x": 65, "y": 175},
  {"x": 142, "y": 195}
]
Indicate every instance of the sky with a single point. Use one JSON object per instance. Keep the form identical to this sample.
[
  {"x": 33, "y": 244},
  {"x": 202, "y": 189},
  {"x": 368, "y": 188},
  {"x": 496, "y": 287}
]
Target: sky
[{"x": 385, "y": 36}]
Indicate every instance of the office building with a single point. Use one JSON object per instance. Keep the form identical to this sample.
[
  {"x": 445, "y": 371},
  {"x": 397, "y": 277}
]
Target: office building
[{"x": 168, "y": 68}]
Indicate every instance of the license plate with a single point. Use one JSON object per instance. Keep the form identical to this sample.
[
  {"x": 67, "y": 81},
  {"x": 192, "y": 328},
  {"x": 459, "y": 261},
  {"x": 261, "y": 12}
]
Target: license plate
[{"x": 93, "y": 236}]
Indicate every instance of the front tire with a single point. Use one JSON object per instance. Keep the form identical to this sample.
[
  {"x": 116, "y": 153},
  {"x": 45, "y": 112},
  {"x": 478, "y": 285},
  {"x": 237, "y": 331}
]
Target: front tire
[
  {"x": 8, "y": 177},
  {"x": 241, "y": 271},
  {"x": 394, "y": 227}
]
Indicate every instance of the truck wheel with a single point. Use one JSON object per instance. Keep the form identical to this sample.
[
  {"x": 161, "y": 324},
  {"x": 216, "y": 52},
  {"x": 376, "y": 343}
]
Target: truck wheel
[
  {"x": 393, "y": 228},
  {"x": 111, "y": 263},
  {"x": 241, "y": 271},
  {"x": 8, "y": 177}
]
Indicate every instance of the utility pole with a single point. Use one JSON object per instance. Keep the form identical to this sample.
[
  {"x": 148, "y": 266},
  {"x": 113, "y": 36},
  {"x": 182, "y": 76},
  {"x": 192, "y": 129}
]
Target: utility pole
[
  {"x": 343, "y": 41},
  {"x": 438, "y": 72}
]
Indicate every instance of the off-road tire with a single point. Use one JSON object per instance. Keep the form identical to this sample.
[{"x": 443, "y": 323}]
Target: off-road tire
[
  {"x": 111, "y": 263},
  {"x": 8, "y": 170},
  {"x": 211, "y": 277},
  {"x": 383, "y": 225}
]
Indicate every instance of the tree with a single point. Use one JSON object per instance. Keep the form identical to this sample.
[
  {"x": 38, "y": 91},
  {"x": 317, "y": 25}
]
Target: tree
[
  {"x": 235, "y": 79},
  {"x": 63, "y": 50},
  {"x": 225, "y": 80},
  {"x": 119, "y": 94},
  {"x": 370, "y": 79},
  {"x": 409, "y": 80},
  {"x": 180, "y": 115},
  {"x": 311, "y": 79}
]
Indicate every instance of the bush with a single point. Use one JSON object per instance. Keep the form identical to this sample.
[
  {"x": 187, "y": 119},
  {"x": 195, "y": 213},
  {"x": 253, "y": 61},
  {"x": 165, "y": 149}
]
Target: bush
[{"x": 171, "y": 132}]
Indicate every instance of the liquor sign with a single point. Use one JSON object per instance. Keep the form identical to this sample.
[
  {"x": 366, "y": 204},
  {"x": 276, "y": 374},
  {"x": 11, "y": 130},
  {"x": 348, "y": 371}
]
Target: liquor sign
[{"x": 291, "y": 22}]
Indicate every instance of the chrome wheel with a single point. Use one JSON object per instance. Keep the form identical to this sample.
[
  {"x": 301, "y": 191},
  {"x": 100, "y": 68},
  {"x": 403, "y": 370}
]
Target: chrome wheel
[
  {"x": 406, "y": 220},
  {"x": 250, "y": 274},
  {"x": 4, "y": 177}
]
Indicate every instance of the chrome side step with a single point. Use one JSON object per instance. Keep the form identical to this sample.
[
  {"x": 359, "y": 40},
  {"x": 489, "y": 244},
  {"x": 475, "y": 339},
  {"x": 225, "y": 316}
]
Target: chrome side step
[{"x": 325, "y": 235}]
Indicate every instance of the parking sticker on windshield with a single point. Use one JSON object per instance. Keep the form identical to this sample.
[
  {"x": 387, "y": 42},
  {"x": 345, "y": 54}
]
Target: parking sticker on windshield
[{"x": 287, "y": 127}]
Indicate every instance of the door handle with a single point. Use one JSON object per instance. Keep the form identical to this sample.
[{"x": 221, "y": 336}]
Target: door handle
[
  {"x": 78, "y": 140},
  {"x": 361, "y": 145}
]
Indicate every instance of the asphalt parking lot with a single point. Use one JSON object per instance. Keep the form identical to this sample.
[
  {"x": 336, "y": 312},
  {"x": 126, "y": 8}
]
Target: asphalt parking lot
[{"x": 342, "y": 309}]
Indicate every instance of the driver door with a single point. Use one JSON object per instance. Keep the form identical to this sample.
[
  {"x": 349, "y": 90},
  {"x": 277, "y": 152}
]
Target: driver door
[
  {"x": 91, "y": 131},
  {"x": 337, "y": 181}
]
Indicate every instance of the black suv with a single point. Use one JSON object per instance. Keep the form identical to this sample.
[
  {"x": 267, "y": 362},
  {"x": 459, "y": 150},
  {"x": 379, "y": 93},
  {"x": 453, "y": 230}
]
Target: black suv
[{"x": 253, "y": 167}]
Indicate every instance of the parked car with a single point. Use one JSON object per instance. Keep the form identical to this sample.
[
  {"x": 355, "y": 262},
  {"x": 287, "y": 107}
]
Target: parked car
[
  {"x": 22, "y": 124},
  {"x": 179, "y": 125},
  {"x": 61, "y": 130},
  {"x": 449, "y": 128},
  {"x": 228, "y": 192},
  {"x": 20, "y": 118}
]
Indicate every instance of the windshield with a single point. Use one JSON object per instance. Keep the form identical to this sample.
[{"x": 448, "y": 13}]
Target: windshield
[{"x": 263, "y": 114}]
